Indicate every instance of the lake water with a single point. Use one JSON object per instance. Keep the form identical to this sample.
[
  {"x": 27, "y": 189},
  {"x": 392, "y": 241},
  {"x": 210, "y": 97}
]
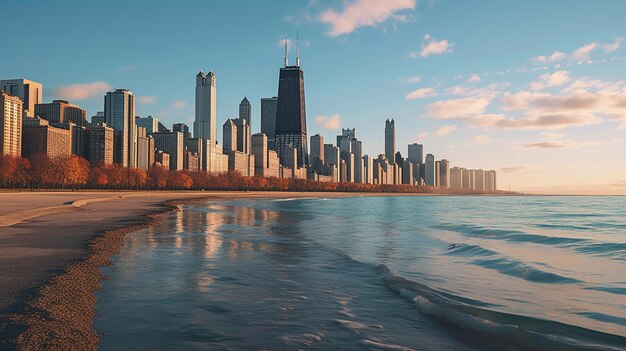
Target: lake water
[{"x": 373, "y": 273}]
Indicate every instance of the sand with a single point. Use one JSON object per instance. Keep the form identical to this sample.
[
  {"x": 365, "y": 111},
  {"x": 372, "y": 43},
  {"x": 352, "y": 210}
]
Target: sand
[{"x": 51, "y": 246}]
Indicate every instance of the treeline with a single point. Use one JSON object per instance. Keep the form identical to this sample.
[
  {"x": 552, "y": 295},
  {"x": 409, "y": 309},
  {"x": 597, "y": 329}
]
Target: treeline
[{"x": 42, "y": 172}]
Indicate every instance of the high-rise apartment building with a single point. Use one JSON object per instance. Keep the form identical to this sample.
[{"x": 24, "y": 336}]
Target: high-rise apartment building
[
  {"x": 150, "y": 123},
  {"x": 100, "y": 144},
  {"x": 31, "y": 93},
  {"x": 444, "y": 173},
  {"x": 390, "y": 140},
  {"x": 61, "y": 111},
  {"x": 243, "y": 135},
  {"x": 245, "y": 110},
  {"x": 357, "y": 151},
  {"x": 173, "y": 144},
  {"x": 268, "y": 119},
  {"x": 10, "y": 125},
  {"x": 119, "y": 114},
  {"x": 40, "y": 138},
  {"x": 416, "y": 153},
  {"x": 429, "y": 170},
  {"x": 182, "y": 127},
  {"x": 229, "y": 135},
  {"x": 317, "y": 148},
  {"x": 204, "y": 126}
]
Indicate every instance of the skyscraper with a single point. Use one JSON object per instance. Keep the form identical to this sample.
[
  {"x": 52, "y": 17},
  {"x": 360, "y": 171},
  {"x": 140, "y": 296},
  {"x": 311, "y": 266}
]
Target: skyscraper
[
  {"x": 204, "y": 126},
  {"x": 268, "y": 119},
  {"x": 444, "y": 173},
  {"x": 150, "y": 123},
  {"x": 119, "y": 114},
  {"x": 61, "y": 111},
  {"x": 291, "y": 112},
  {"x": 229, "y": 135},
  {"x": 183, "y": 128},
  {"x": 390, "y": 140},
  {"x": 429, "y": 173},
  {"x": 317, "y": 148},
  {"x": 245, "y": 111},
  {"x": 31, "y": 93},
  {"x": 10, "y": 125},
  {"x": 416, "y": 153}
]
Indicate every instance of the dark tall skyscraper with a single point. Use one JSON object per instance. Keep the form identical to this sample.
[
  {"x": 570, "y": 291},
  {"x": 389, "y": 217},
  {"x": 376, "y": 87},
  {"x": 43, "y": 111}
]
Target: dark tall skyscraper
[
  {"x": 390, "y": 140},
  {"x": 291, "y": 112},
  {"x": 245, "y": 110}
]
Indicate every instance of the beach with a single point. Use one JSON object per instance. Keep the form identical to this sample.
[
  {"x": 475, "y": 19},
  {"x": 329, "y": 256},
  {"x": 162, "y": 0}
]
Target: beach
[{"x": 51, "y": 245}]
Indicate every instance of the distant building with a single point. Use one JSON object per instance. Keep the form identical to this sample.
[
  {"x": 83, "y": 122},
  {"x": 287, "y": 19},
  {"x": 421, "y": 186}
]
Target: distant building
[
  {"x": 390, "y": 139},
  {"x": 367, "y": 172},
  {"x": 205, "y": 125},
  {"x": 490, "y": 181},
  {"x": 416, "y": 153},
  {"x": 182, "y": 127},
  {"x": 79, "y": 137},
  {"x": 98, "y": 118},
  {"x": 39, "y": 138},
  {"x": 119, "y": 114},
  {"x": 407, "y": 173},
  {"x": 348, "y": 158},
  {"x": 266, "y": 163},
  {"x": 229, "y": 135},
  {"x": 243, "y": 135},
  {"x": 100, "y": 144},
  {"x": 150, "y": 123},
  {"x": 162, "y": 159},
  {"x": 357, "y": 151},
  {"x": 61, "y": 111},
  {"x": 145, "y": 149},
  {"x": 331, "y": 155},
  {"x": 245, "y": 111},
  {"x": 31, "y": 93},
  {"x": 317, "y": 148},
  {"x": 268, "y": 119},
  {"x": 429, "y": 170},
  {"x": 173, "y": 144},
  {"x": 456, "y": 177},
  {"x": 479, "y": 179},
  {"x": 197, "y": 147},
  {"x": 444, "y": 173},
  {"x": 10, "y": 125}
]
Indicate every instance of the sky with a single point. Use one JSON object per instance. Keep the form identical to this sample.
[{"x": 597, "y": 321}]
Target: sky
[{"x": 532, "y": 89}]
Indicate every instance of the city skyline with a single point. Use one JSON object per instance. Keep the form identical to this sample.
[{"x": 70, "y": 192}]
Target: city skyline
[{"x": 507, "y": 114}]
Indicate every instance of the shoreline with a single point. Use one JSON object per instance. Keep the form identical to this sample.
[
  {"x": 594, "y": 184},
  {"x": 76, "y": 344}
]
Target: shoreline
[{"x": 58, "y": 313}]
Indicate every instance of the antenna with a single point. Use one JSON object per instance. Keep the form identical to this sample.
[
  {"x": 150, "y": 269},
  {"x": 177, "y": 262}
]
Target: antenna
[
  {"x": 286, "y": 52},
  {"x": 297, "y": 49}
]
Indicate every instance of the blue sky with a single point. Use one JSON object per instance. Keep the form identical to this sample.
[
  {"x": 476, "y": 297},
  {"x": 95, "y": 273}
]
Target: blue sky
[{"x": 534, "y": 89}]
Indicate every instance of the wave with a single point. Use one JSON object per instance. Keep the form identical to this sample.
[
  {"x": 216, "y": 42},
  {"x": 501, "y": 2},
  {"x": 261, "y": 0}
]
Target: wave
[
  {"x": 501, "y": 330},
  {"x": 508, "y": 235},
  {"x": 507, "y": 266}
]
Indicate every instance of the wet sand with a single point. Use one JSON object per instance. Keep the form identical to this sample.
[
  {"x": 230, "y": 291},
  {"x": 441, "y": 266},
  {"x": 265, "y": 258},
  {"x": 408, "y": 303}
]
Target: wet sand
[{"x": 51, "y": 245}]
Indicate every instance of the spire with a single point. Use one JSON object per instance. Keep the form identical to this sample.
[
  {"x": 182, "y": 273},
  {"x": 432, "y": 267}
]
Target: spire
[
  {"x": 286, "y": 54},
  {"x": 297, "y": 49}
]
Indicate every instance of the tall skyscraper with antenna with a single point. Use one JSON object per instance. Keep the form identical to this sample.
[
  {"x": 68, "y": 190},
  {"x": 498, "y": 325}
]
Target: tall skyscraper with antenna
[
  {"x": 291, "y": 112},
  {"x": 204, "y": 126}
]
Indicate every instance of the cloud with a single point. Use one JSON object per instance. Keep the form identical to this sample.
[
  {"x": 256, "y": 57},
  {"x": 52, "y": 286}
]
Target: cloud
[
  {"x": 179, "y": 104},
  {"x": 557, "y": 144},
  {"x": 473, "y": 79},
  {"x": 616, "y": 44},
  {"x": 445, "y": 130},
  {"x": 500, "y": 121},
  {"x": 420, "y": 94},
  {"x": 414, "y": 79},
  {"x": 146, "y": 100},
  {"x": 456, "y": 108},
  {"x": 329, "y": 122},
  {"x": 423, "y": 135},
  {"x": 554, "y": 57},
  {"x": 583, "y": 52},
  {"x": 360, "y": 13},
  {"x": 517, "y": 169},
  {"x": 81, "y": 91},
  {"x": 550, "y": 80},
  {"x": 551, "y": 135},
  {"x": 432, "y": 46},
  {"x": 482, "y": 139},
  {"x": 548, "y": 102}
]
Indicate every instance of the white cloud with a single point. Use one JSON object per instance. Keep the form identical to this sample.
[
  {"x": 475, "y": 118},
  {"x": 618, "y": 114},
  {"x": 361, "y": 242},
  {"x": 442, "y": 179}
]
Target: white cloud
[
  {"x": 550, "y": 80},
  {"x": 551, "y": 135},
  {"x": 482, "y": 139},
  {"x": 415, "y": 79},
  {"x": 456, "y": 108},
  {"x": 555, "y": 121},
  {"x": 432, "y": 46},
  {"x": 360, "y": 13},
  {"x": 179, "y": 104},
  {"x": 554, "y": 57},
  {"x": 616, "y": 44},
  {"x": 81, "y": 91},
  {"x": 557, "y": 144},
  {"x": 445, "y": 130},
  {"x": 473, "y": 79},
  {"x": 329, "y": 122},
  {"x": 583, "y": 52},
  {"x": 420, "y": 94},
  {"x": 146, "y": 100}
]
